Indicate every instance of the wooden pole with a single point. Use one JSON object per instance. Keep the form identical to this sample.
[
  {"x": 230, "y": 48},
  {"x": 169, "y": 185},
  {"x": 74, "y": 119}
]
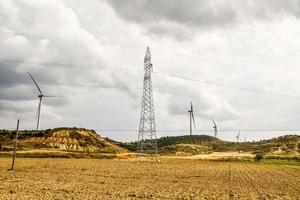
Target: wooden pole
[{"x": 15, "y": 146}]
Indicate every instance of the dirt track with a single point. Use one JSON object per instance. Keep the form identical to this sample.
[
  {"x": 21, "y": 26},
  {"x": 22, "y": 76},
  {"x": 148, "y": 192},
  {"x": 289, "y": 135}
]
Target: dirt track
[{"x": 125, "y": 179}]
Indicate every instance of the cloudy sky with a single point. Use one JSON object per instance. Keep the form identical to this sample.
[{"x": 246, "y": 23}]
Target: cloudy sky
[{"x": 242, "y": 59}]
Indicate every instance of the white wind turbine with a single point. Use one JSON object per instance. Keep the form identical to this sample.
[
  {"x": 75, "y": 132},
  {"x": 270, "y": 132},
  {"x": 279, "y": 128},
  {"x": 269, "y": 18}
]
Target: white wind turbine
[
  {"x": 192, "y": 118},
  {"x": 40, "y": 96}
]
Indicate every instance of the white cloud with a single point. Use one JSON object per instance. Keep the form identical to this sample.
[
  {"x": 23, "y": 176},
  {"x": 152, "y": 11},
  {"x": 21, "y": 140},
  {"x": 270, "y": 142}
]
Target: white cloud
[{"x": 252, "y": 45}]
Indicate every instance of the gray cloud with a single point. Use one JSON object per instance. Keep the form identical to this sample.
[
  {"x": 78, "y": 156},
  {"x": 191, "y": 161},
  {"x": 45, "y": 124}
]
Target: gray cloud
[
  {"x": 9, "y": 76},
  {"x": 10, "y": 108},
  {"x": 180, "y": 18},
  {"x": 191, "y": 13},
  {"x": 71, "y": 52},
  {"x": 205, "y": 107},
  {"x": 58, "y": 51},
  {"x": 26, "y": 53}
]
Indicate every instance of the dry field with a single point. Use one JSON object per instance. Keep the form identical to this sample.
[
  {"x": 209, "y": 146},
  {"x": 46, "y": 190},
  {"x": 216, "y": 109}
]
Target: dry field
[
  {"x": 218, "y": 156},
  {"x": 128, "y": 179}
]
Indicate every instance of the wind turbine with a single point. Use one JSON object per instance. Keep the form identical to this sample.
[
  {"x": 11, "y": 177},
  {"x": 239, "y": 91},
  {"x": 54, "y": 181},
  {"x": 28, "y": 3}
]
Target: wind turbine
[
  {"x": 191, "y": 111},
  {"x": 238, "y": 136},
  {"x": 215, "y": 128},
  {"x": 40, "y": 96}
]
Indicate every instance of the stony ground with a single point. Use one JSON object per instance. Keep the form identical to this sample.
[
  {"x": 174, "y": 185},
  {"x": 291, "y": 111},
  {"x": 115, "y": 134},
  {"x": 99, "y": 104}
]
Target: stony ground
[{"x": 128, "y": 179}]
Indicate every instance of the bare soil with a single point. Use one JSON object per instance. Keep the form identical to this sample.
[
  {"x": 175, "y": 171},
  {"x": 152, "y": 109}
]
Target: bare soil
[
  {"x": 221, "y": 155},
  {"x": 36, "y": 178}
]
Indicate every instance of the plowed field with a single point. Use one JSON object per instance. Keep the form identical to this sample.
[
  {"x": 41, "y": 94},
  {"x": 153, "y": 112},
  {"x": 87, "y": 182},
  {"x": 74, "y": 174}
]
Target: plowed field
[{"x": 127, "y": 179}]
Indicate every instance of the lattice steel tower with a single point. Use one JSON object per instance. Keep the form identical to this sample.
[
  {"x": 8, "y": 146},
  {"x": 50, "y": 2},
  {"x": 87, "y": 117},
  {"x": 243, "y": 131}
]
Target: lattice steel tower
[{"x": 147, "y": 141}]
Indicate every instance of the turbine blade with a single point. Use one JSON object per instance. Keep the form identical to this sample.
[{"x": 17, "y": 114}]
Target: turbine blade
[
  {"x": 35, "y": 83},
  {"x": 50, "y": 96},
  {"x": 214, "y": 122}
]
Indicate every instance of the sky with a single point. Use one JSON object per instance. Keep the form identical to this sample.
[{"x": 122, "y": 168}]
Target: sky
[{"x": 237, "y": 61}]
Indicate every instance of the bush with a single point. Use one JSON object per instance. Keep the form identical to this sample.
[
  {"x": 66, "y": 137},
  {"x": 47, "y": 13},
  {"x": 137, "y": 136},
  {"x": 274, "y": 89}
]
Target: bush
[{"x": 258, "y": 157}]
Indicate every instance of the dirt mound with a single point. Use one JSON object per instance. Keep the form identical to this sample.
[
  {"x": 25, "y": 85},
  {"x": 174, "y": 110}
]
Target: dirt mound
[{"x": 64, "y": 139}]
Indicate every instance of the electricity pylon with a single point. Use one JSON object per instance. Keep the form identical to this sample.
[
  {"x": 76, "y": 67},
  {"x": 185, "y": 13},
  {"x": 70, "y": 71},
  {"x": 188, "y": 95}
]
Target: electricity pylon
[{"x": 147, "y": 141}]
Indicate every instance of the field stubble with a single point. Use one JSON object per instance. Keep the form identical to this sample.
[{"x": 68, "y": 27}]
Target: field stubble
[{"x": 128, "y": 179}]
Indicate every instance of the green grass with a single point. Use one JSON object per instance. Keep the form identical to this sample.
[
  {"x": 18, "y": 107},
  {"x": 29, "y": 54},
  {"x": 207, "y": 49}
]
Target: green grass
[{"x": 281, "y": 160}]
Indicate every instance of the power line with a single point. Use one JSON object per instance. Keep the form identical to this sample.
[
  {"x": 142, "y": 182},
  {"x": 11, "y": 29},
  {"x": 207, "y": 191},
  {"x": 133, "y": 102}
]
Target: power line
[
  {"x": 185, "y": 130},
  {"x": 227, "y": 86},
  {"x": 174, "y": 76},
  {"x": 261, "y": 107},
  {"x": 239, "y": 66},
  {"x": 230, "y": 102},
  {"x": 125, "y": 88},
  {"x": 200, "y": 130},
  {"x": 155, "y": 72},
  {"x": 168, "y": 93},
  {"x": 133, "y": 46}
]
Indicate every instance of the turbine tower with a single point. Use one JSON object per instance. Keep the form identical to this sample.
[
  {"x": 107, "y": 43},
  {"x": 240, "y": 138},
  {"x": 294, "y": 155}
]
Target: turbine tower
[
  {"x": 215, "y": 128},
  {"x": 147, "y": 141},
  {"x": 238, "y": 136},
  {"x": 192, "y": 118}
]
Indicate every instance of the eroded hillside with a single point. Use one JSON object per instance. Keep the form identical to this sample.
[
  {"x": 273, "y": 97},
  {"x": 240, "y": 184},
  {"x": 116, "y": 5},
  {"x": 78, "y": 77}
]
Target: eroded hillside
[{"x": 61, "y": 139}]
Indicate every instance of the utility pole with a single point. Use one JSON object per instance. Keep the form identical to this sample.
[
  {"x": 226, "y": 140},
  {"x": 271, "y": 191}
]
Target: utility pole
[
  {"x": 147, "y": 141},
  {"x": 15, "y": 146}
]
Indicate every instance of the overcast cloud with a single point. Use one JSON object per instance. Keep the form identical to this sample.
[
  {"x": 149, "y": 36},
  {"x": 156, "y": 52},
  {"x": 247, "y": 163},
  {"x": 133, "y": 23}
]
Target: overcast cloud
[
  {"x": 90, "y": 55},
  {"x": 183, "y": 18}
]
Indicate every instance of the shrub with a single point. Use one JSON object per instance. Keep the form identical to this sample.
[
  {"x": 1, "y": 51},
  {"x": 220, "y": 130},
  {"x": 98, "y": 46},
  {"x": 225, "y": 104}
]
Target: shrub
[{"x": 258, "y": 157}]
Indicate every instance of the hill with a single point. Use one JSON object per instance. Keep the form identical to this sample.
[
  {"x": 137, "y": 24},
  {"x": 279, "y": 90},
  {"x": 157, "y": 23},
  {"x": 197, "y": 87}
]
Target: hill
[
  {"x": 186, "y": 144},
  {"x": 203, "y": 144},
  {"x": 62, "y": 140},
  {"x": 283, "y": 145},
  {"x": 78, "y": 142}
]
